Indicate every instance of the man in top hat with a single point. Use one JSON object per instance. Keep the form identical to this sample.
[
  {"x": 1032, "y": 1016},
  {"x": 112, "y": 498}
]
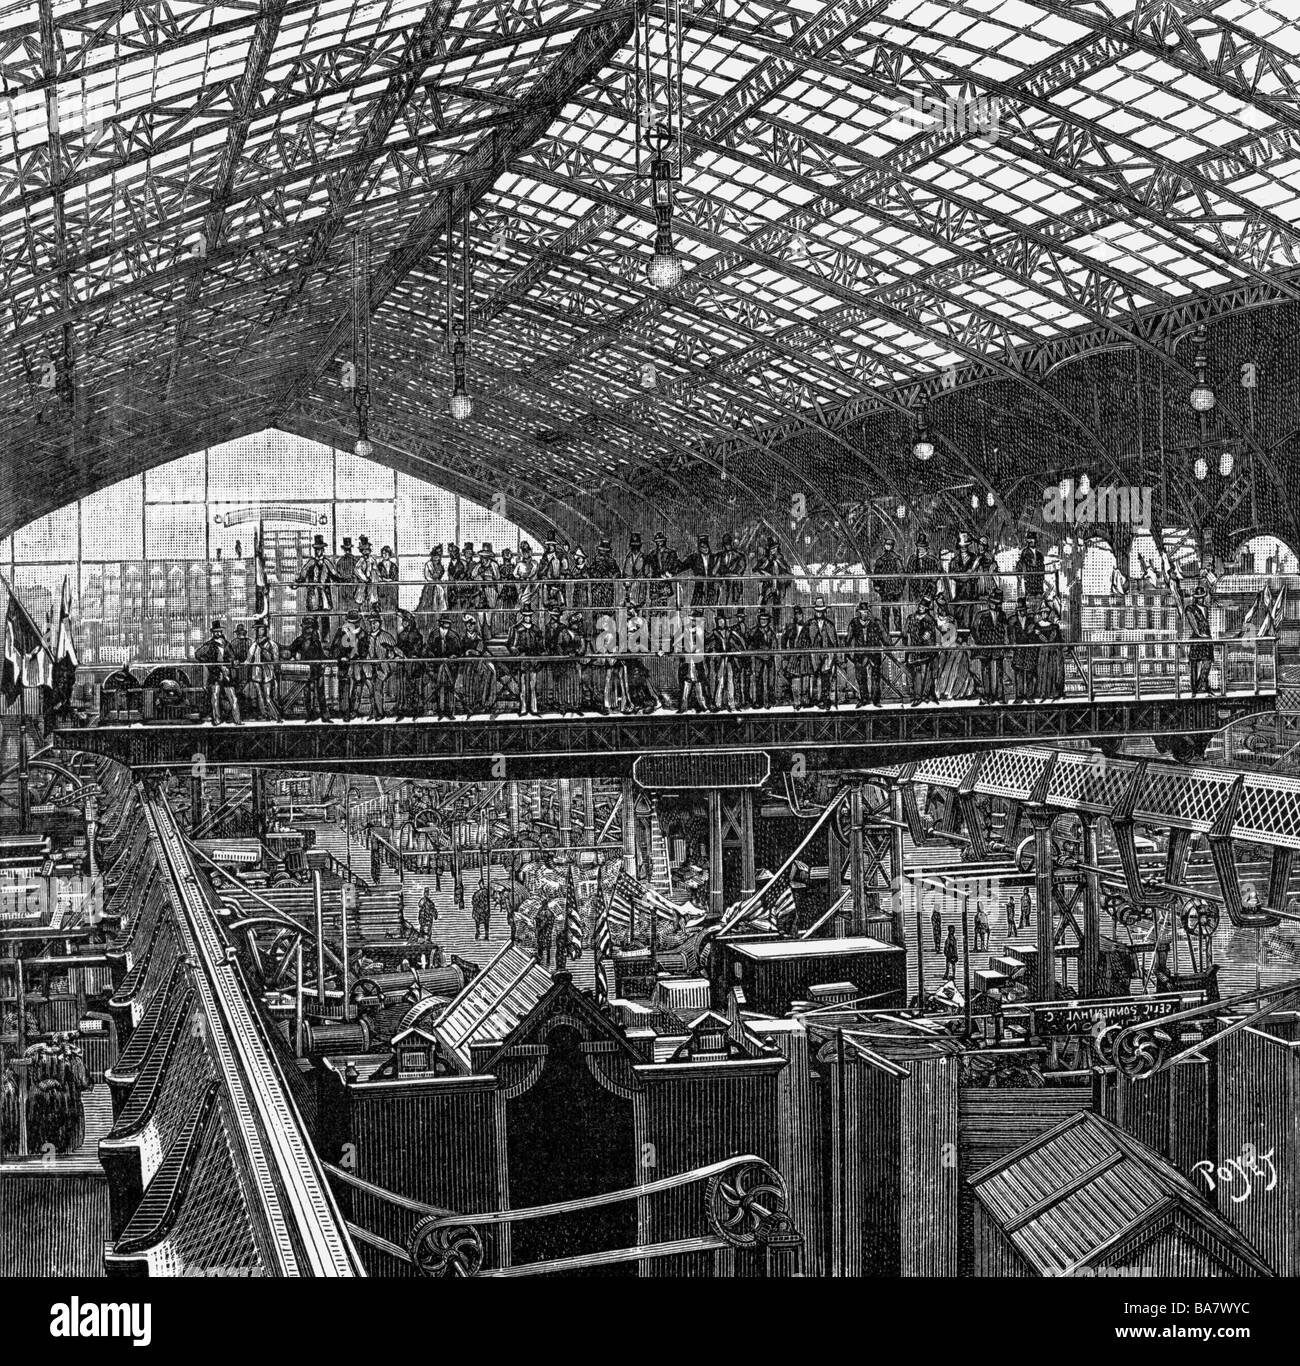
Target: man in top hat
[
  {"x": 887, "y": 572},
  {"x": 1030, "y": 567},
  {"x": 1022, "y": 630},
  {"x": 526, "y": 575},
  {"x": 761, "y": 644},
  {"x": 773, "y": 573},
  {"x": 663, "y": 601},
  {"x": 525, "y": 642},
  {"x": 308, "y": 647},
  {"x": 924, "y": 569},
  {"x": 550, "y": 572},
  {"x": 316, "y": 576},
  {"x": 732, "y": 564},
  {"x": 482, "y": 598},
  {"x": 703, "y": 568},
  {"x": 988, "y": 635},
  {"x": 381, "y": 648},
  {"x": 636, "y": 563},
  {"x": 822, "y": 639},
  {"x": 868, "y": 643},
  {"x": 1196, "y": 626},
  {"x": 723, "y": 648},
  {"x": 921, "y": 639},
  {"x": 794, "y": 661},
  {"x": 366, "y": 575},
  {"x": 346, "y": 565},
  {"x": 442, "y": 648},
  {"x": 964, "y": 568},
  {"x": 216, "y": 655}
]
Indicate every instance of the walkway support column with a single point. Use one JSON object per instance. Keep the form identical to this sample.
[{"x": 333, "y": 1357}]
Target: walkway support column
[
  {"x": 856, "y": 870},
  {"x": 566, "y": 810},
  {"x": 746, "y": 822},
  {"x": 629, "y": 827},
  {"x": 1090, "y": 949},
  {"x": 897, "y": 861},
  {"x": 196, "y": 804},
  {"x": 715, "y": 851},
  {"x": 1041, "y": 819}
]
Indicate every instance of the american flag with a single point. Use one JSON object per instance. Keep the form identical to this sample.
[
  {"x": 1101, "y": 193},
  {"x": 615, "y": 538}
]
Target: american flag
[
  {"x": 602, "y": 943},
  {"x": 571, "y": 930}
]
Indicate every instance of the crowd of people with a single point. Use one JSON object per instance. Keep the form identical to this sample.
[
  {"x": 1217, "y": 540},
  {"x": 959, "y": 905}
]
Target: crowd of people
[{"x": 557, "y": 632}]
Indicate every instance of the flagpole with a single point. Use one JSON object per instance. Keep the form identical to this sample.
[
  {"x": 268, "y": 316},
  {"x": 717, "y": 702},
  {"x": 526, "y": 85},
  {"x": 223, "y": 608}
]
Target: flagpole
[{"x": 24, "y": 793}]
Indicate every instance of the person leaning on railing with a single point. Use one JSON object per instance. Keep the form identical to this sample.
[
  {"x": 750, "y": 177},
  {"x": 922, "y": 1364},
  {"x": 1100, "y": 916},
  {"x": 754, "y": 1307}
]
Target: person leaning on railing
[
  {"x": 308, "y": 647},
  {"x": 215, "y": 655}
]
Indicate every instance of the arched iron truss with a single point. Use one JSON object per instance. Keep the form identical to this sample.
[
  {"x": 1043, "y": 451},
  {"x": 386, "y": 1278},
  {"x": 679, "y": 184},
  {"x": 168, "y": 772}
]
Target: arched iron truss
[{"x": 176, "y": 254}]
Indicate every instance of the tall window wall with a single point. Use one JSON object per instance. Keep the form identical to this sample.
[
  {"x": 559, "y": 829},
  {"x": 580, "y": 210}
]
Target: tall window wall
[{"x": 150, "y": 558}]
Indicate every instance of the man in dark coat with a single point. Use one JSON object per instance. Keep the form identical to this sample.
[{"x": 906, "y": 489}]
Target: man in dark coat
[
  {"x": 1030, "y": 567},
  {"x": 761, "y": 644},
  {"x": 924, "y": 569},
  {"x": 936, "y": 928},
  {"x": 216, "y": 655},
  {"x": 732, "y": 564},
  {"x": 920, "y": 655},
  {"x": 350, "y": 645},
  {"x": 794, "y": 663},
  {"x": 442, "y": 648},
  {"x": 887, "y": 572},
  {"x": 663, "y": 569},
  {"x": 821, "y": 637},
  {"x": 774, "y": 579},
  {"x": 951, "y": 953},
  {"x": 525, "y": 642},
  {"x": 1023, "y": 633},
  {"x": 988, "y": 635},
  {"x": 867, "y": 644},
  {"x": 703, "y": 568},
  {"x": 604, "y": 573},
  {"x": 316, "y": 577},
  {"x": 964, "y": 567},
  {"x": 308, "y": 648}
]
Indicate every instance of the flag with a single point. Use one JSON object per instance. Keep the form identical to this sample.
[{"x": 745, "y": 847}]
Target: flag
[
  {"x": 261, "y": 585},
  {"x": 26, "y": 656},
  {"x": 603, "y": 945},
  {"x": 571, "y": 930},
  {"x": 65, "y": 647}
]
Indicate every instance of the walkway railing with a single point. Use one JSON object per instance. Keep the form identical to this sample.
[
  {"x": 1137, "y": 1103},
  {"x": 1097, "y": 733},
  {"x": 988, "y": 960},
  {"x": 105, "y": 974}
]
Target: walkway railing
[{"x": 739, "y": 676}]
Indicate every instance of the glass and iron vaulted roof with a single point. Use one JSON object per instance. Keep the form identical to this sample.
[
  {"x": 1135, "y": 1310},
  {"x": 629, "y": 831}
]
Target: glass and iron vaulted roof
[{"x": 880, "y": 201}]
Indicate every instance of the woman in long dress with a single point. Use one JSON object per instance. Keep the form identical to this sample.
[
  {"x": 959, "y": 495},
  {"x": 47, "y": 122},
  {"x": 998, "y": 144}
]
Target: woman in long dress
[
  {"x": 1051, "y": 658},
  {"x": 954, "y": 661},
  {"x": 433, "y": 596}
]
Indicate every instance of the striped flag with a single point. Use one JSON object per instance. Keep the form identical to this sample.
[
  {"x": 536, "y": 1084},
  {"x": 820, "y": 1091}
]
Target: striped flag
[
  {"x": 603, "y": 945},
  {"x": 571, "y": 930}
]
